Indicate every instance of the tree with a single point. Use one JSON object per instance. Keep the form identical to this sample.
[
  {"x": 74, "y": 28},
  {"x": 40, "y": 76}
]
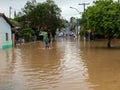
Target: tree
[
  {"x": 104, "y": 18},
  {"x": 23, "y": 17},
  {"x": 47, "y": 13},
  {"x": 36, "y": 15}
]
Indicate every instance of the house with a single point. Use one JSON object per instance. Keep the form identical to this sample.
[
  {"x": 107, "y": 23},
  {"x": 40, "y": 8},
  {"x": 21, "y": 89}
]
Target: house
[{"x": 5, "y": 32}]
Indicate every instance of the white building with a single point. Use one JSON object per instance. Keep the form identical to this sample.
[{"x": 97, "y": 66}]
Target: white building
[{"x": 5, "y": 32}]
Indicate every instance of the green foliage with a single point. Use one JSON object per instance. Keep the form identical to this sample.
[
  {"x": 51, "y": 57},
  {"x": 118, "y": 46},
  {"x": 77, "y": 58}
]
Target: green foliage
[
  {"x": 35, "y": 15},
  {"x": 14, "y": 22},
  {"x": 81, "y": 33},
  {"x": 26, "y": 33},
  {"x": 30, "y": 5},
  {"x": 104, "y": 18}
]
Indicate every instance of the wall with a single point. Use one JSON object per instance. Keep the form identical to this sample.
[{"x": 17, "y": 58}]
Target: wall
[{"x": 5, "y": 28}]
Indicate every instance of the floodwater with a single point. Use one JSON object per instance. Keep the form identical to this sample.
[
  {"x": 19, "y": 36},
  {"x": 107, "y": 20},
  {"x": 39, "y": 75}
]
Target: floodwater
[{"x": 67, "y": 65}]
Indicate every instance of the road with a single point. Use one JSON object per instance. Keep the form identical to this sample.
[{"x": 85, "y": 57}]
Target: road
[{"x": 68, "y": 64}]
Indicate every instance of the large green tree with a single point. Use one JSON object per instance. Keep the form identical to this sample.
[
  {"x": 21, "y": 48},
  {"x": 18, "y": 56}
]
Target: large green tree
[
  {"x": 23, "y": 17},
  {"x": 36, "y": 15},
  {"x": 104, "y": 18}
]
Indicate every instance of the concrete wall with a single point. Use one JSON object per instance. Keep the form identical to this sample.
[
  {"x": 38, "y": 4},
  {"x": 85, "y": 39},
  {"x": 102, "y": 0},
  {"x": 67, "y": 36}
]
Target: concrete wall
[{"x": 5, "y": 28}]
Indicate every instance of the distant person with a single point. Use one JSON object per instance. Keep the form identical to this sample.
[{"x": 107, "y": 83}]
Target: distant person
[{"x": 46, "y": 40}]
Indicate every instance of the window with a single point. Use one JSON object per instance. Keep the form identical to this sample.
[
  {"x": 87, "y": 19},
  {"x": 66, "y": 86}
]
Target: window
[{"x": 6, "y": 36}]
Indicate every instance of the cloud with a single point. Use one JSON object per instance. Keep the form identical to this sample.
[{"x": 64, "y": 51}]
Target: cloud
[{"x": 67, "y": 12}]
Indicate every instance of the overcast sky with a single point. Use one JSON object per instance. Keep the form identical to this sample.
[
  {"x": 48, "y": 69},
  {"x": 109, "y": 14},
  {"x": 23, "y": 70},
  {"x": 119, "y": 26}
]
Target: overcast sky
[{"x": 64, "y": 5}]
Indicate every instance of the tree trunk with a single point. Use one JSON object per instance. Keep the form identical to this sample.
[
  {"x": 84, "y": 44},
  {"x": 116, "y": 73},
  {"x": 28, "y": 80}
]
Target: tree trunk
[{"x": 109, "y": 43}]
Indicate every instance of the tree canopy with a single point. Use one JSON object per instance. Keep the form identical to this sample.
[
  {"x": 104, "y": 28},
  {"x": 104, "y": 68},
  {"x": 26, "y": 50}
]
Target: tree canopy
[
  {"x": 104, "y": 18},
  {"x": 37, "y": 15}
]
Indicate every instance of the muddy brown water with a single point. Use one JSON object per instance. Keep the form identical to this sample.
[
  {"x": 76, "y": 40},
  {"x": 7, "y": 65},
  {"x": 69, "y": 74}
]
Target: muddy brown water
[{"x": 67, "y": 65}]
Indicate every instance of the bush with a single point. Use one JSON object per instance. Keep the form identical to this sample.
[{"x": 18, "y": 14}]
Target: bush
[{"x": 26, "y": 33}]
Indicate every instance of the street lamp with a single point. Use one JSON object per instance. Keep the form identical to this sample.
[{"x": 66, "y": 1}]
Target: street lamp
[
  {"x": 76, "y": 10},
  {"x": 77, "y": 20}
]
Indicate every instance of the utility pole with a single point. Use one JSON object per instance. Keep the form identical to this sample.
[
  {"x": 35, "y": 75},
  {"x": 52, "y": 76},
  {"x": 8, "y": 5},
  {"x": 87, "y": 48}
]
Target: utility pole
[
  {"x": 84, "y": 4},
  {"x": 14, "y": 13},
  {"x": 10, "y": 8}
]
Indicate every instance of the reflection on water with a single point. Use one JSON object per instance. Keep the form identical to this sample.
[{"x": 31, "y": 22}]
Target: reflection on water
[
  {"x": 67, "y": 65},
  {"x": 103, "y": 65}
]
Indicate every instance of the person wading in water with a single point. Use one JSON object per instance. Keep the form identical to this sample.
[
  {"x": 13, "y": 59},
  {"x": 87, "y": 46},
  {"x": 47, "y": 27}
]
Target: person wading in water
[{"x": 46, "y": 40}]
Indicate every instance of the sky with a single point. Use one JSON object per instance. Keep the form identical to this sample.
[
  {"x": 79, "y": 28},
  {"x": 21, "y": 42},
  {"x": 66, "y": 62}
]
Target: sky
[{"x": 64, "y": 5}]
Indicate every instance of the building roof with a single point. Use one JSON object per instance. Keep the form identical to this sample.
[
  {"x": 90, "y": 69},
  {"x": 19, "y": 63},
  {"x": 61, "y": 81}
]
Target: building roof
[{"x": 2, "y": 15}]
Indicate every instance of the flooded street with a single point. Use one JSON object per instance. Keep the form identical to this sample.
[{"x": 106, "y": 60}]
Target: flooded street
[{"x": 67, "y": 65}]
